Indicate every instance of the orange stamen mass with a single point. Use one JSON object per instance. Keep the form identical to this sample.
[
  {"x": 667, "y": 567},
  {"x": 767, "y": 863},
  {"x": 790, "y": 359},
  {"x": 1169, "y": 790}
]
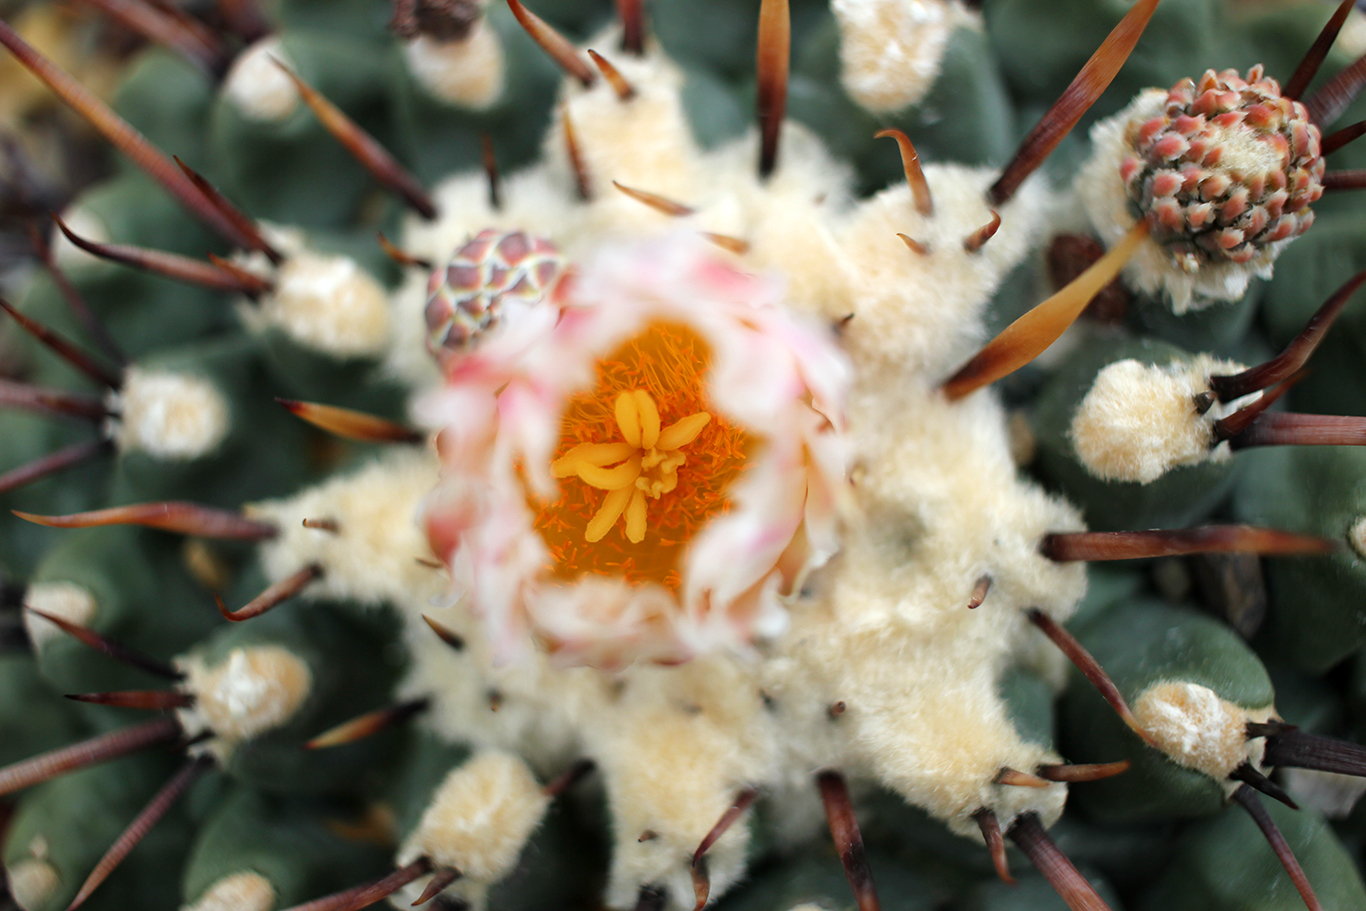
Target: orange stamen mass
[{"x": 645, "y": 461}]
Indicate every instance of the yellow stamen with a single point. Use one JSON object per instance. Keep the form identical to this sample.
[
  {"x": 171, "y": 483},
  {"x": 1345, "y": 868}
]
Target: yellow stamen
[
  {"x": 611, "y": 478},
  {"x": 635, "y": 518},
  {"x": 682, "y": 432},
  {"x": 612, "y": 508},
  {"x": 596, "y": 454},
  {"x": 628, "y": 418},
  {"x": 652, "y": 459},
  {"x": 649, "y": 419}
]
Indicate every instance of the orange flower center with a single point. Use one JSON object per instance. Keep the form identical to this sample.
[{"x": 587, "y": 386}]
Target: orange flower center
[{"x": 644, "y": 462}]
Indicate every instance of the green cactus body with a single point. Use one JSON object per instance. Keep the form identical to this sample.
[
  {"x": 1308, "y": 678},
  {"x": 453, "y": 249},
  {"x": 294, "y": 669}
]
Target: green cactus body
[{"x": 655, "y": 457}]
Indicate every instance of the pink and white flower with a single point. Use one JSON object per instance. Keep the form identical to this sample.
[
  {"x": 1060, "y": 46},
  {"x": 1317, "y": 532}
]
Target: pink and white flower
[{"x": 643, "y": 466}]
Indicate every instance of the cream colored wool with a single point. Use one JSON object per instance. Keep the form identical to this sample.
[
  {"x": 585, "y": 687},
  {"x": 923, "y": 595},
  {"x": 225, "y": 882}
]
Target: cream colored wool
[
  {"x": 375, "y": 554},
  {"x": 643, "y": 142},
  {"x": 467, "y": 73},
  {"x": 169, "y": 415},
  {"x": 789, "y": 219},
  {"x": 889, "y": 633},
  {"x": 890, "y": 50},
  {"x": 32, "y": 883},
  {"x": 914, "y": 314},
  {"x": 1140, "y": 421},
  {"x": 675, "y": 750},
  {"x": 86, "y": 225},
  {"x": 921, "y": 315},
  {"x": 66, "y": 600},
  {"x": 1199, "y": 730},
  {"x": 257, "y": 87},
  {"x": 251, "y": 691},
  {"x": 1356, "y": 536},
  {"x": 530, "y": 708},
  {"x": 245, "y": 891},
  {"x": 478, "y": 822},
  {"x": 1152, "y": 270},
  {"x": 327, "y": 303}
]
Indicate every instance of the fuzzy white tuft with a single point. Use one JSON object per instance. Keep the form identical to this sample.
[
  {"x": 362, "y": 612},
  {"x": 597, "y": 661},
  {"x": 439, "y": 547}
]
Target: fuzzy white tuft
[
  {"x": 1356, "y": 536},
  {"x": 327, "y": 303},
  {"x": 245, "y": 891},
  {"x": 67, "y": 600},
  {"x": 257, "y": 87},
  {"x": 1140, "y": 421},
  {"x": 887, "y": 632},
  {"x": 32, "y": 883},
  {"x": 467, "y": 73},
  {"x": 891, "y": 50},
  {"x": 375, "y": 554},
  {"x": 922, "y": 315},
  {"x": 250, "y": 692},
  {"x": 1199, "y": 730},
  {"x": 86, "y": 225},
  {"x": 169, "y": 415},
  {"x": 644, "y": 142},
  {"x": 478, "y": 821},
  {"x": 677, "y": 748}
]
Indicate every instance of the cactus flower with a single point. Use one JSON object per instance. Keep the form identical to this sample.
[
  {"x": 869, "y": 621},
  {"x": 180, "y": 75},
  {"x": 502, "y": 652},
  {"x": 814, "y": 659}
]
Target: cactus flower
[{"x": 641, "y": 465}]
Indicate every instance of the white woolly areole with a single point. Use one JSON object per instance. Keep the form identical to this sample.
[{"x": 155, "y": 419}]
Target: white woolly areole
[
  {"x": 890, "y": 50},
  {"x": 1152, "y": 270},
  {"x": 327, "y": 303},
  {"x": 168, "y": 415},
  {"x": 252, "y": 691},
  {"x": 478, "y": 821},
  {"x": 887, "y": 630},
  {"x": 468, "y": 73},
  {"x": 644, "y": 142},
  {"x": 677, "y": 747},
  {"x": 1331, "y": 793},
  {"x": 374, "y": 555},
  {"x": 245, "y": 891},
  {"x": 84, "y": 224},
  {"x": 257, "y": 87},
  {"x": 32, "y": 883},
  {"x": 1139, "y": 421},
  {"x": 1199, "y": 730},
  {"x": 922, "y": 315},
  {"x": 1356, "y": 536},
  {"x": 67, "y": 600}
]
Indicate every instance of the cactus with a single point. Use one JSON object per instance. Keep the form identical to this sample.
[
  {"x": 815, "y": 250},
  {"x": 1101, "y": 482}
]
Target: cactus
[{"x": 637, "y": 509}]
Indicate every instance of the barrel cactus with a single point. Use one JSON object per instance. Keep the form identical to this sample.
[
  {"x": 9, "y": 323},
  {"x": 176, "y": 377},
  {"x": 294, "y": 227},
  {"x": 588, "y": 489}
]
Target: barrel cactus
[{"x": 512, "y": 474}]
